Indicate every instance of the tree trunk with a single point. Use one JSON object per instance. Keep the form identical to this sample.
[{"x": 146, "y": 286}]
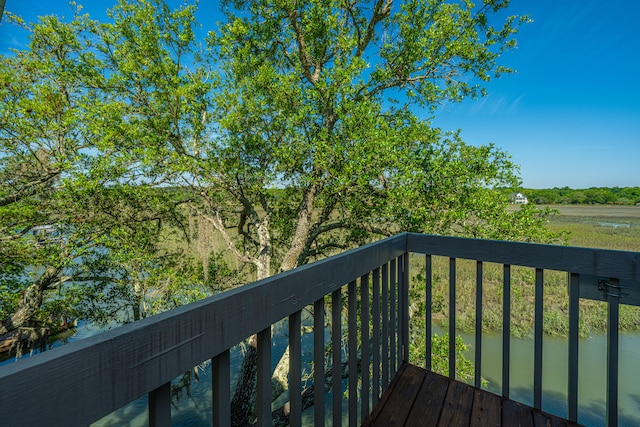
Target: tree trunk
[
  {"x": 30, "y": 302},
  {"x": 263, "y": 261},
  {"x": 281, "y": 416},
  {"x": 21, "y": 326},
  {"x": 303, "y": 226},
  {"x": 244, "y": 397}
]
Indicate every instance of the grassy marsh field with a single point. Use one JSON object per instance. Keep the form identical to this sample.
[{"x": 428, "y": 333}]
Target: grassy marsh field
[{"x": 607, "y": 227}]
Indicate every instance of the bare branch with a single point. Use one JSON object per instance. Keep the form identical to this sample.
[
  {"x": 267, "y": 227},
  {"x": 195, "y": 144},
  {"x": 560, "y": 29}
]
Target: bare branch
[
  {"x": 381, "y": 10},
  {"x": 216, "y": 221},
  {"x": 305, "y": 61}
]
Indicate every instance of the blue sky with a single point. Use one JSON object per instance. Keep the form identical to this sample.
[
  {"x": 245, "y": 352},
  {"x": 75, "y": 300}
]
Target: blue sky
[{"x": 569, "y": 117}]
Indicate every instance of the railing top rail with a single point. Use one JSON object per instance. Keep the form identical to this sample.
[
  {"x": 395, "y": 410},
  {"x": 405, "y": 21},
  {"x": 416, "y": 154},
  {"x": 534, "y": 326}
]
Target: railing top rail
[
  {"x": 595, "y": 262},
  {"x": 100, "y": 374}
]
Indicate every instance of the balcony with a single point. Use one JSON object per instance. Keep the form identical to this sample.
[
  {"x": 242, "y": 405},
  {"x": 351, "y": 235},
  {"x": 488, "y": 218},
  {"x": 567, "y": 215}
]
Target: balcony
[{"x": 82, "y": 382}]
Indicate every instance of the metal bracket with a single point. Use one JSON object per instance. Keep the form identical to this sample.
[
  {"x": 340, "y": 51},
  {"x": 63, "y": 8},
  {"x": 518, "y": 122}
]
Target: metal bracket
[
  {"x": 612, "y": 288},
  {"x": 605, "y": 288}
]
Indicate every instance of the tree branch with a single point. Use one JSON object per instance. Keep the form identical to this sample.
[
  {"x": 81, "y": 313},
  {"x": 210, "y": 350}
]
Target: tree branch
[
  {"x": 381, "y": 10},
  {"x": 302, "y": 47},
  {"x": 216, "y": 221},
  {"x": 30, "y": 190}
]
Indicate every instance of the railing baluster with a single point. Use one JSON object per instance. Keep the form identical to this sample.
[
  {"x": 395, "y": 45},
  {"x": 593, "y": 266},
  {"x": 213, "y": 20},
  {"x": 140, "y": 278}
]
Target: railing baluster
[
  {"x": 506, "y": 329},
  {"x": 295, "y": 369},
  {"x": 385, "y": 325},
  {"x": 318, "y": 362},
  {"x": 393, "y": 328},
  {"x": 574, "y": 306},
  {"x": 353, "y": 354},
  {"x": 336, "y": 356},
  {"x": 399, "y": 316},
  {"x": 537, "y": 339},
  {"x": 375, "y": 313},
  {"x": 429, "y": 310},
  {"x": 364, "y": 350},
  {"x": 405, "y": 307},
  {"x": 221, "y": 383},
  {"x": 478, "y": 351},
  {"x": 263, "y": 401},
  {"x": 160, "y": 406},
  {"x": 452, "y": 317},
  {"x": 612, "y": 355}
]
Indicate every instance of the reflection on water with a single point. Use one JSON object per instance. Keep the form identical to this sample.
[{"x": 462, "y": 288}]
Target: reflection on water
[
  {"x": 592, "y": 366},
  {"x": 614, "y": 224}
]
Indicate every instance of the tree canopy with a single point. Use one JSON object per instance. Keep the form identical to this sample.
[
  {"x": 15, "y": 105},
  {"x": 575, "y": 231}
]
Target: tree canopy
[
  {"x": 294, "y": 130},
  {"x": 320, "y": 98},
  {"x": 144, "y": 167}
]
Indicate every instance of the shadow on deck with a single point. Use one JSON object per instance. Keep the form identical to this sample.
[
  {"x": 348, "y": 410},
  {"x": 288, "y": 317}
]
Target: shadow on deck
[{"x": 417, "y": 397}]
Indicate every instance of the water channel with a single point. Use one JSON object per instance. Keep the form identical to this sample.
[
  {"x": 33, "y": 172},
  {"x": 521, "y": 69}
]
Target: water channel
[{"x": 592, "y": 365}]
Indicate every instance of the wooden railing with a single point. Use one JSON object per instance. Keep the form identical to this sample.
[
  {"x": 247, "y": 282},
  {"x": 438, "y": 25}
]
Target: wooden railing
[
  {"x": 605, "y": 275},
  {"x": 81, "y": 382}
]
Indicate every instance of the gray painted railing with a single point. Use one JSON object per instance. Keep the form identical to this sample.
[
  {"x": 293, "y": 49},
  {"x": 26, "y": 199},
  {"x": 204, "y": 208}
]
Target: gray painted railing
[
  {"x": 605, "y": 275},
  {"x": 80, "y": 383}
]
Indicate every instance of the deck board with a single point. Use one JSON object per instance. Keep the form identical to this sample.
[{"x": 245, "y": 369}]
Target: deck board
[
  {"x": 417, "y": 397},
  {"x": 486, "y": 411},
  {"x": 398, "y": 405},
  {"x": 516, "y": 415},
  {"x": 456, "y": 411},
  {"x": 426, "y": 408}
]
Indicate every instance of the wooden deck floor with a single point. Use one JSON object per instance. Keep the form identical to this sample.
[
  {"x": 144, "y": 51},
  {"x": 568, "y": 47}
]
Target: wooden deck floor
[{"x": 417, "y": 397}]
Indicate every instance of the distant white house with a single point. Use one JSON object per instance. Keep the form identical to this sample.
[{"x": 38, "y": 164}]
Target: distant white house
[{"x": 519, "y": 199}]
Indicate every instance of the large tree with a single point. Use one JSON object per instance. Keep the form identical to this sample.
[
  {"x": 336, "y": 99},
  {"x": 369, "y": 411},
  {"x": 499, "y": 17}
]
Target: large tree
[
  {"x": 325, "y": 102},
  {"x": 295, "y": 130},
  {"x": 321, "y": 141}
]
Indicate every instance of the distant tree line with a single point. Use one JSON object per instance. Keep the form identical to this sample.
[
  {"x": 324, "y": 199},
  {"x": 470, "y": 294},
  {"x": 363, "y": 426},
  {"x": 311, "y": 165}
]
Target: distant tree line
[{"x": 588, "y": 196}]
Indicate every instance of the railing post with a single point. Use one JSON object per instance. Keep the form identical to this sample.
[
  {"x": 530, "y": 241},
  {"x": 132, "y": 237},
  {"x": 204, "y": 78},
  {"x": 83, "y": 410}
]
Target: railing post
[
  {"x": 478, "y": 351},
  {"x": 264, "y": 378},
  {"x": 405, "y": 307},
  {"x": 452, "y": 317},
  {"x": 400, "y": 316},
  {"x": 612, "y": 354},
  {"x": 506, "y": 329},
  {"x": 353, "y": 354},
  {"x": 221, "y": 382},
  {"x": 375, "y": 314},
  {"x": 295, "y": 369},
  {"x": 318, "y": 362},
  {"x": 537, "y": 339},
  {"x": 393, "y": 321},
  {"x": 429, "y": 310},
  {"x": 160, "y": 406},
  {"x": 385, "y": 325},
  {"x": 364, "y": 349},
  {"x": 336, "y": 355},
  {"x": 574, "y": 306}
]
